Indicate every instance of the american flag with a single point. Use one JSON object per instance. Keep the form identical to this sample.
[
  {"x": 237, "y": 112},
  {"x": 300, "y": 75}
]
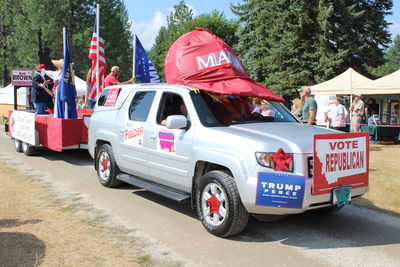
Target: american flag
[{"x": 94, "y": 47}]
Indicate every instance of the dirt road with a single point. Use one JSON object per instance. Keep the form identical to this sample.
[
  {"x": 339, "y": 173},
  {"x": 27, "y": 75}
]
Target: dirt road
[{"x": 352, "y": 237}]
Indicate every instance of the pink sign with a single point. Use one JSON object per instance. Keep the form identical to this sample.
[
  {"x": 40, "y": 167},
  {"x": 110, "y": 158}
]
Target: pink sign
[
  {"x": 22, "y": 77},
  {"x": 112, "y": 97}
]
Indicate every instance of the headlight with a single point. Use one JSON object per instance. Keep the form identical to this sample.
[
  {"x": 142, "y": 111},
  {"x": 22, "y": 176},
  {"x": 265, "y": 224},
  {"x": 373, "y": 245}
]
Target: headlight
[{"x": 279, "y": 161}]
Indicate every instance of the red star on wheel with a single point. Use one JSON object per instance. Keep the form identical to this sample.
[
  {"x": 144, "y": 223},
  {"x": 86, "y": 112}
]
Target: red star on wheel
[
  {"x": 281, "y": 160},
  {"x": 104, "y": 163},
  {"x": 214, "y": 204}
]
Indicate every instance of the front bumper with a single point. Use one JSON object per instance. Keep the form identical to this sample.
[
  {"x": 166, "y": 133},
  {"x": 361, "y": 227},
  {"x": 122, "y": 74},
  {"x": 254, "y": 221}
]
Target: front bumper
[{"x": 251, "y": 195}]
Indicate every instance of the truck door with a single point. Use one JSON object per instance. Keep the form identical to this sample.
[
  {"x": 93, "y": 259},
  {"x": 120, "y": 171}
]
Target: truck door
[
  {"x": 131, "y": 135},
  {"x": 169, "y": 150}
]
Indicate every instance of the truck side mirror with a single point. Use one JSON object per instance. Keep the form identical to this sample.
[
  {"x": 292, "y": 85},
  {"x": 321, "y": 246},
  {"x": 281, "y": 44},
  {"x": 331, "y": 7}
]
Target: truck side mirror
[{"x": 176, "y": 122}]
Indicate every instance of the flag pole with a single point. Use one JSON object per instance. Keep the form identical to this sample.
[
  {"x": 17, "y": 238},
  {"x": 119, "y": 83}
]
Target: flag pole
[
  {"x": 134, "y": 57},
  {"x": 64, "y": 43},
  {"x": 97, "y": 52}
]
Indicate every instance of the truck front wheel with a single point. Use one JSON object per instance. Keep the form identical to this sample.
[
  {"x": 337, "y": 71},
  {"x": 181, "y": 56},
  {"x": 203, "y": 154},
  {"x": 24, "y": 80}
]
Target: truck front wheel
[
  {"x": 219, "y": 206},
  {"x": 107, "y": 168}
]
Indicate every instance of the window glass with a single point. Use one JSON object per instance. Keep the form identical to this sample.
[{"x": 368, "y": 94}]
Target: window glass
[
  {"x": 219, "y": 110},
  {"x": 140, "y": 105},
  {"x": 103, "y": 97},
  {"x": 171, "y": 104}
]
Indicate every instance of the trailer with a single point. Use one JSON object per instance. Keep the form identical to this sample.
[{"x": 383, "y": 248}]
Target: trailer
[{"x": 30, "y": 130}]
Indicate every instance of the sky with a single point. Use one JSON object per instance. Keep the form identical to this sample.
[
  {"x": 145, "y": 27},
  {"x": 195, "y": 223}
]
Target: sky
[{"x": 148, "y": 16}]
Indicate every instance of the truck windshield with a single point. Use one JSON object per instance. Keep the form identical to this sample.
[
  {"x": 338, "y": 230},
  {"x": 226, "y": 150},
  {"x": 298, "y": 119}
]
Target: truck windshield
[{"x": 222, "y": 110}]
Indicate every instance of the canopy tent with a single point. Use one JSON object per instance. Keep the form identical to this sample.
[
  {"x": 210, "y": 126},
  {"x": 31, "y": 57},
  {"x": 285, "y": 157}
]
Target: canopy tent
[
  {"x": 7, "y": 93},
  {"x": 389, "y": 84},
  {"x": 342, "y": 84}
]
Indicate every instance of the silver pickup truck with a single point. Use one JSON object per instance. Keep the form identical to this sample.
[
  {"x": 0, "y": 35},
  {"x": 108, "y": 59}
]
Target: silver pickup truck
[{"x": 187, "y": 144}]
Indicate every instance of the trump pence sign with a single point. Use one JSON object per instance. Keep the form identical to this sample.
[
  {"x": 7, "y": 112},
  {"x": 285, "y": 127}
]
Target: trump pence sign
[{"x": 340, "y": 159}]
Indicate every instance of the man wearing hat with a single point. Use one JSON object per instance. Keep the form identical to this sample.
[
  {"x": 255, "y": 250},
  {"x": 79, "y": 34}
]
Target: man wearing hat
[
  {"x": 112, "y": 78},
  {"x": 310, "y": 106},
  {"x": 40, "y": 93},
  {"x": 357, "y": 111}
]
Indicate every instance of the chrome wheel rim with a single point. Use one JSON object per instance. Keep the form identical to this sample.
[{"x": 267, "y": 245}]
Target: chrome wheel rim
[
  {"x": 214, "y": 204},
  {"x": 104, "y": 166}
]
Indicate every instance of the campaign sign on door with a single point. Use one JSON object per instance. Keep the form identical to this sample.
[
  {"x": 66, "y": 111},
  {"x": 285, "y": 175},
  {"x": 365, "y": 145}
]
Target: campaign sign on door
[
  {"x": 340, "y": 159},
  {"x": 22, "y": 126},
  {"x": 134, "y": 134}
]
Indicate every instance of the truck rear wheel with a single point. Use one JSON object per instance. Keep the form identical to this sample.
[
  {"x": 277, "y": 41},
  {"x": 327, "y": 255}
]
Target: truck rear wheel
[
  {"x": 28, "y": 149},
  {"x": 107, "y": 169},
  {"x": 18, "y": 145},
  {"x": 219, "y": 206}
]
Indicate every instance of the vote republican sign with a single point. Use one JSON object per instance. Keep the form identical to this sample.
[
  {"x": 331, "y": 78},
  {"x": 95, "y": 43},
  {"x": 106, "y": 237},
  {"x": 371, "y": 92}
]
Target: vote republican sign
[{"x": 340, "y": 159}]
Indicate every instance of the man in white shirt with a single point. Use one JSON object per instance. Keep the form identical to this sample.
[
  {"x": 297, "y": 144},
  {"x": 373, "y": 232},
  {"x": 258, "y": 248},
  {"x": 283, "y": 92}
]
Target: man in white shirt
[{"x": 337, "y": 114}]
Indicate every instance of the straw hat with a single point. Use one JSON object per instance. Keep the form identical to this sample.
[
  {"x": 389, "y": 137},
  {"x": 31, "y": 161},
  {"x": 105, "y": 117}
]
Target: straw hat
[{"x": 58, "y": 63}]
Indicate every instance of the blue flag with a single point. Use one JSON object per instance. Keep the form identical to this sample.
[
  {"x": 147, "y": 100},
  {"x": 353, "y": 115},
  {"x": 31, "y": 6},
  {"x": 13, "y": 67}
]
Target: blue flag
[
  {"x": 66, "y": 91},
  {"x": 144, "y": 69}
]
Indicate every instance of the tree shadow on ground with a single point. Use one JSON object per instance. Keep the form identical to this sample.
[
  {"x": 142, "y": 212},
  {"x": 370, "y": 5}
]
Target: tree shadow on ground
[
  {"x": 14, "y": 223},
  {"x": 21, "y": 249}
]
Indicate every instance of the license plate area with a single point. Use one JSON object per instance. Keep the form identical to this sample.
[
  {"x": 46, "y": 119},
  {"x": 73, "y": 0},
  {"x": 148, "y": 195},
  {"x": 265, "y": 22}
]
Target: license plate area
[{"x": 341, "y": 196}]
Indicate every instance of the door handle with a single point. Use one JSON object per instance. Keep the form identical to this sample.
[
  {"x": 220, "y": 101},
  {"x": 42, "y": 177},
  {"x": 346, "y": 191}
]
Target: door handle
[{"x": 153, "y": 137}]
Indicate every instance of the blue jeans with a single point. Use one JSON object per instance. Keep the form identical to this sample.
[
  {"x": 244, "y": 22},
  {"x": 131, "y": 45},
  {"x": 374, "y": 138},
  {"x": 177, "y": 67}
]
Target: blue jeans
[
  {"x": 90, "y": 104},
  {"x": 40, "y": 108}
]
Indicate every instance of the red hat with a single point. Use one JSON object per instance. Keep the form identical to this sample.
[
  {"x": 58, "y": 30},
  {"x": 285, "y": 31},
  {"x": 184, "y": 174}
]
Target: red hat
[{"x": 41, "y": 66}]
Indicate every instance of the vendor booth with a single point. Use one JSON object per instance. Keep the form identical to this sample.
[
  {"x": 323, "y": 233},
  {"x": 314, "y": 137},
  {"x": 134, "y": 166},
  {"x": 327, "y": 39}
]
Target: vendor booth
[
  {"x": 386, "y": 92},
  {"x": 341, "y": 85}
]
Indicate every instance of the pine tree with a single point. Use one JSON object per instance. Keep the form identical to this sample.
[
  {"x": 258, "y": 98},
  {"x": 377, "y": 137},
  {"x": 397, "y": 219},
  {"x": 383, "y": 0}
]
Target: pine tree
[
  {"x": 287, "y": 44},
  {"x": 8, "y": 9},
  {"x": 392, "y": 60},
  {"x": 167, "y": 35},
  {"x": 117, "y": 36},
  {"x": 215, "y": 22},
  {"x": 50, "y": 16}
]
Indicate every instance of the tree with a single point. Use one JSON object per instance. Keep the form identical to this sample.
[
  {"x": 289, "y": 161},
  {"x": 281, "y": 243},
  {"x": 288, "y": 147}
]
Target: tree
[
  {"x": 117, "y": 36},
  {"x": 392, "y": 60},
  {"x": 215, "y": 22},
  {"x": 167, "y": 35},
  {"x": 50, "y": 16},
  {"x": 8, "y": 9},
  {"x": 287, "y": 44}
]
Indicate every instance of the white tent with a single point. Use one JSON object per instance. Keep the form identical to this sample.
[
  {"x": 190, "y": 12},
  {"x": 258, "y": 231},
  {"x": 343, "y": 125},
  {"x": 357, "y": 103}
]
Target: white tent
[
  {"x": 342, "y": 84},
  {"x": 7, "y": 93},
  {"x": 389, "y": 84}
]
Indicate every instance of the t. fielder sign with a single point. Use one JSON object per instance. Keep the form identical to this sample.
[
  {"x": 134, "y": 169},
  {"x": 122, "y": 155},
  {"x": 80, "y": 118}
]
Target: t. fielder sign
[{"x": 340, "y": 159}]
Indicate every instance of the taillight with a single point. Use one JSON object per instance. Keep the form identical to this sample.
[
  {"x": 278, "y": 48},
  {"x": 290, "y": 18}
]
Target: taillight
[{"x": 279, "y": 161}]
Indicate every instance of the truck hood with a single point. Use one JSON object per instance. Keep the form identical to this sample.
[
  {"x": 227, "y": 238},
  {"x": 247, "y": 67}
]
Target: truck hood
[{"x": 292, "y": 137}]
